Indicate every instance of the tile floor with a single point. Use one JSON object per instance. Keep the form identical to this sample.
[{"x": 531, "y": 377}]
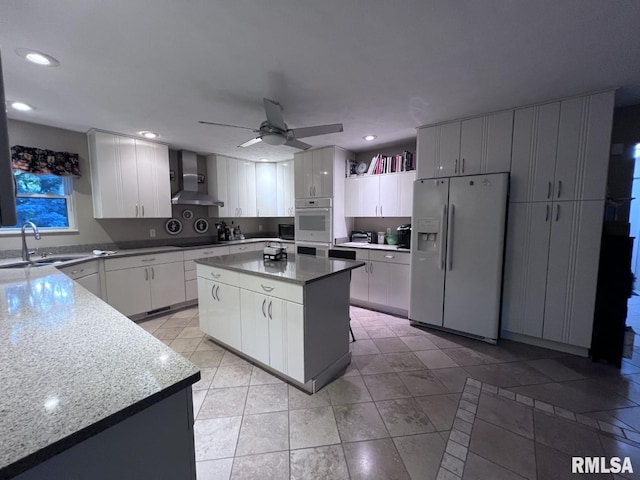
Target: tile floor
[{"x": 401, "y": 410}]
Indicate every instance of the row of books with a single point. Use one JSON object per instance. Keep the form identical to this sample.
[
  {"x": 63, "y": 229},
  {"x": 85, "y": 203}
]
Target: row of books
[{"x": 402, "y": 162}]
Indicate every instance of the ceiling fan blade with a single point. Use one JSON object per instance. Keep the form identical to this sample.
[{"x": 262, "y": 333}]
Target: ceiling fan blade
[
  {"x": 226, "y": 125},
  {"x": 274, "y": 114},
  {"x": 297, "y": 144},
  {"x": 248, "y": 143},
  {"x": 305, "y": 132}
]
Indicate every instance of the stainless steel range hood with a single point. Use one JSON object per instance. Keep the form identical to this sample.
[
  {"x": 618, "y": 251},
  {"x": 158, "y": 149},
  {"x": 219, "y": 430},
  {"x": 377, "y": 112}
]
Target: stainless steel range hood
[{"x": 189, "y": 195}]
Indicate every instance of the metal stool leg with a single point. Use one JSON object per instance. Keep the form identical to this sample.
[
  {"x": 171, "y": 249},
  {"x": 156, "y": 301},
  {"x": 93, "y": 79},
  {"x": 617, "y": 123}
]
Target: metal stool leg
[{"x": 353, "y": 339}]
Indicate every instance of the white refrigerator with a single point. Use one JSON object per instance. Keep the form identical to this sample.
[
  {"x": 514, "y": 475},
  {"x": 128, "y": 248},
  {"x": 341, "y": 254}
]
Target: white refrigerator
[{"x": 457, "y": 244}]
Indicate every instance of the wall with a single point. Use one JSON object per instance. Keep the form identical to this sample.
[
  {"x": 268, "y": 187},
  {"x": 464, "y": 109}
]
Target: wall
[
  {"x": 107, "y": 231},
  {"x": 625, "y": 134}
]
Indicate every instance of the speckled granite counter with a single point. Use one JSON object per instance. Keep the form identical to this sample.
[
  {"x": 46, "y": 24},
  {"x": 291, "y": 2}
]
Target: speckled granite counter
[
  {"x": 71, "y": 366},
  {"x": 298, "y": 269}
]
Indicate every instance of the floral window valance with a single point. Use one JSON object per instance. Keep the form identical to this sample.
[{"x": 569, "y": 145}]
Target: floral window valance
[{"x": 38, "y": 160}]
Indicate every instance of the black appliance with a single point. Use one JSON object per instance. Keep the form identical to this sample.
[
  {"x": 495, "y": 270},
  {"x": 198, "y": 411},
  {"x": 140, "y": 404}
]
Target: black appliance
[
  {"x": 404, "y": 235},
  {"x": 361, "y": 236},
  {"x": 286, "y": 231}
]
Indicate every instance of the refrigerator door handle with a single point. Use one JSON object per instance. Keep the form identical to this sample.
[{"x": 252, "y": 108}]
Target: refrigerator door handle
[
  {"x": 443, "y": 219},
  {"x": 450, "y": 237}
]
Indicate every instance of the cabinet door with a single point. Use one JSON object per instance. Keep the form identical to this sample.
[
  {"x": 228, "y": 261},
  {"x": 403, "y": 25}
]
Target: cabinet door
[
  {"x": 497, "y": 137},
  {"x": 167, "y": 284},
  {"x": 471, "y": 146},
  {"x": 91, "y": 283},
  {"x": 583, "y": 147},
  {"x": 448, "y": 150},
  {"x": 232, "y": 205},
  {"x": 303, "y": 174},
  {"x": 525, "y": 271},
  {"x": 379, "y": 285},
  {"x": 388, "y": 195},
  {"x": 369, "y": 193},
  {"x": 128, "y": 290},
  {"x": 246, "y": 188},
  {"x": 360, "y": 283},
  {"x": 400, "y": 281},
  {"x": 322, "y": 172},
  {"x": 209, "y": 311},
  {"x": 573, "y": 271},
  {"x": 255, "y": 325},
  {"x": 286, "y": 338},
  {"x": 352, "y": 196},
  {"x": 289, "y": 190},
  {"x": 426, "y": 152},
  {"x": 154, "y": 185},
  {"x": 405, "y": 193},
  {"x": 227, "y": 313},
  {"x": 219, "y": 186},
  {"x": 535, "y": 138},
  {"x": 266, "y": 190}
]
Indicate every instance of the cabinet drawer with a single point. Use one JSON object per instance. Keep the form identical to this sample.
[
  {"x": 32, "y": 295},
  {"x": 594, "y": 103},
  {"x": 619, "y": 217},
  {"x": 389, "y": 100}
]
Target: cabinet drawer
[
  {"x": 81, "y": 269},
  {"x": 205, "y": 252},
  {"x": 220, "y": 275},
  {"x": 244, "y": 247},
  {"x": 390, "y": 256},
  {"x": 273, "y": 288},
  {"x": 142, "y": 260}
]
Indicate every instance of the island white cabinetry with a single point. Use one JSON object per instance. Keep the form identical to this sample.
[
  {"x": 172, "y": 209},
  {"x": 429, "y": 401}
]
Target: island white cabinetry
[
  {"x": 285, "y": 189},
  {"x": 129, "y": 177},
  {"x": 232, "y": 181},
  {"x": 384, "y": 195},
  {"x": 466, "y": 147},
  {"x": 298, "y": 329},
  {"x": 139, "y": 284}
]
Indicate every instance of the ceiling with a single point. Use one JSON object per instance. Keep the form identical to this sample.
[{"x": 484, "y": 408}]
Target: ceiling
[{"x": 379, "y": 67}]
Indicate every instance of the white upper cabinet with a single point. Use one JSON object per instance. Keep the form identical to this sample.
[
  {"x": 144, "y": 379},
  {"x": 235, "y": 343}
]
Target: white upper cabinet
[
  {"x": 314, "y": 173},
  {"x": 234, "y": 183},
  {"x": 560, "y": 150},
  {"x": 266, "y": 194},
  {"x": 468, "y": 147},
  {"x": 285, "y": 189},
  {"x": 129, "y": 177},
  {"x": 384, "y": 195}
]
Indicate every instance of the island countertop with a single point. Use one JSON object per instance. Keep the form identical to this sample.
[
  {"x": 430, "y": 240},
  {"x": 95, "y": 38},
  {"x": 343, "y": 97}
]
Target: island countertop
[
  {"x": 298, "y": 269},
  {"x": 71, "y": 366}
]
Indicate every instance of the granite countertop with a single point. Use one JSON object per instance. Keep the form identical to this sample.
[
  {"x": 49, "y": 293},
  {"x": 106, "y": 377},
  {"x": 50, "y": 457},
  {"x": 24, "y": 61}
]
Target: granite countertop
[
  {"x": 373, "y": 246},
  {"x": 71, "y": 366},
  {"x": 299, "y": 269}
]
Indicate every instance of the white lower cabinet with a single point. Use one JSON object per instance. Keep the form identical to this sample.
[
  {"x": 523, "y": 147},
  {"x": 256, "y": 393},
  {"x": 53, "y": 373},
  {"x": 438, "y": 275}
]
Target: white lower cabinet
[
  {"x": 384, "y": 279},
  {"x": 550, "y": 273},
  {"x": 255, "y": 310},
  {"x": 86, "y": 274},
  {"x": 218, "y": 310},
  {"x": 144, "y": 283}
]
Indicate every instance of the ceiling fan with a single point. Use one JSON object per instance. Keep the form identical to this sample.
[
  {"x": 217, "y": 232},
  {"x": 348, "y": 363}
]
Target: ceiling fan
[{"x": 275, "y": 132}]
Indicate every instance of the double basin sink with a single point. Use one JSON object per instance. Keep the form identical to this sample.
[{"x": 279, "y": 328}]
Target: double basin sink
[{"x": 42, "y": 262}]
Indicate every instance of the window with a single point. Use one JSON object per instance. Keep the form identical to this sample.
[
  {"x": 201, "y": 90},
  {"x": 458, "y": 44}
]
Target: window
[{"x": 45, "y": 200}]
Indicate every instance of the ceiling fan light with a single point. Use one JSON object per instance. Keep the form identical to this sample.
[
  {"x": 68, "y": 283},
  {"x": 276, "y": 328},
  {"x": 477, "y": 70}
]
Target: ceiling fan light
[
  {"x": 147, "y": 134},
  {"x": 370, "y": 138},
  {"x": 22, "y": 107},
  {"x": 273, "y": 139}
]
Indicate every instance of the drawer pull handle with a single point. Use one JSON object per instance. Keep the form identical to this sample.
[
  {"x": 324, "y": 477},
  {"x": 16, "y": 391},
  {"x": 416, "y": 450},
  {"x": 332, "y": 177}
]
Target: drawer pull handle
[
  {"x": 267, "y": 289},
  {"x": 73, "y": 272},
  {"x": 215, "y": 275},
  {"x": 148, "y": 260}
]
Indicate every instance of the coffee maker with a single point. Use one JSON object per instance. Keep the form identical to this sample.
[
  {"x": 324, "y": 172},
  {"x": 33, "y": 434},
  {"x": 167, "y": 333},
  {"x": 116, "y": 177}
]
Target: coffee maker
[{"x": 404, "y": 235}]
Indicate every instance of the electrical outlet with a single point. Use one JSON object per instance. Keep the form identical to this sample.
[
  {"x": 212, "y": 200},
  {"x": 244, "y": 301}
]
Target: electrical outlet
[
  {"x": 259, "y": 228},
  {"x": 152, "y": 232}
]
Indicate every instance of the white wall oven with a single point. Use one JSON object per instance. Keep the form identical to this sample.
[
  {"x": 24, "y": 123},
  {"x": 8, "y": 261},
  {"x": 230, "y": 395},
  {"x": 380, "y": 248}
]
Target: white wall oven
[{"x": 314, "y": 220}]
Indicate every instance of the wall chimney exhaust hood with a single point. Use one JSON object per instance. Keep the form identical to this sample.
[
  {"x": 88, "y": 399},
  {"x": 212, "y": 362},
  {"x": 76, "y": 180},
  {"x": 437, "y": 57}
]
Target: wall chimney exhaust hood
[{"x": 189, "y": 195}]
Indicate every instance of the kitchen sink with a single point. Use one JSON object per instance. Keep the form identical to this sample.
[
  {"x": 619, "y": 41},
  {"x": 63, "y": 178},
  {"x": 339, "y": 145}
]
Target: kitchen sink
[{"x": 42, "y": 262}]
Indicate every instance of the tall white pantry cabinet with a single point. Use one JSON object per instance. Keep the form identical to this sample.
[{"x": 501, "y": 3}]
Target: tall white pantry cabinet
[{"x": 559, "y": 166}]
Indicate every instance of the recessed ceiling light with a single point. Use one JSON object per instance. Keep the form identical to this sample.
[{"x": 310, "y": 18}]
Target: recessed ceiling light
[
  {"x": 147, "y": 134},
  {"x": 23, "y": 107},
  {"x": 39, "y": 58},
  {"x": 370, "y": 138},
  {"x": 264, "y": 160}
]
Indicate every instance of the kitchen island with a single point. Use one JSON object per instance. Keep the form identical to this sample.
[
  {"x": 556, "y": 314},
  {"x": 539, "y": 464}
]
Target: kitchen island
[
  {"x": 86, "y": 392},
  {"x": 291, "y": 316}
]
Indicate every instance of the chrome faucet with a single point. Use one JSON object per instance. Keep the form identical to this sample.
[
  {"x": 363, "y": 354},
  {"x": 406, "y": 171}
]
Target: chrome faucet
[{"x": 36, "y": 234}]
